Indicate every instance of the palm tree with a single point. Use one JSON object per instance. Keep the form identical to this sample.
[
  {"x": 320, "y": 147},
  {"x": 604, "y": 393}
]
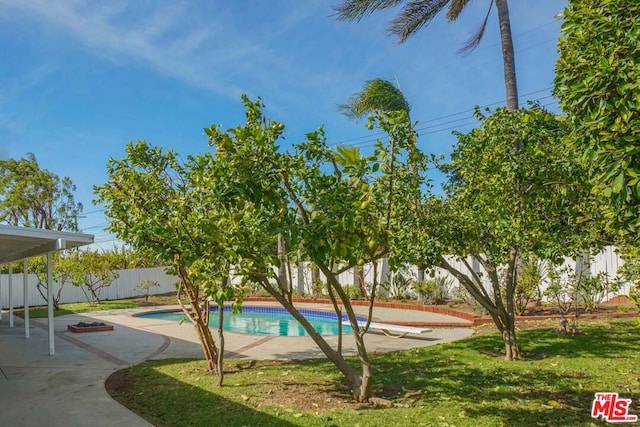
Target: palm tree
[
  {"x": 416, "y": 14},
  {"x": 376, "y": 95}
]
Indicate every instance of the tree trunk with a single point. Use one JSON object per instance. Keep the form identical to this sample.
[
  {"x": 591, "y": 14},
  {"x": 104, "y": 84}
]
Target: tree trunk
[
  {"x": 512, "y": 351},
  {"x": 220, "y": 344},
  {"x": 199, "y": 316},
  {"x": 360, "y": 385},
  {"x": 508, "y": 56},
  {"x": 502, "y": 313},
  {"x": 208, "y": 345},
  {"x": 359, "y": 276},
  {"x": 282, "y": 269}
]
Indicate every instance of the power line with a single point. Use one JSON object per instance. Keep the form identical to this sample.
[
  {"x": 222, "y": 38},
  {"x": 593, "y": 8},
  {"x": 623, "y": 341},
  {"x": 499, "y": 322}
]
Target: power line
[
  {"x": 368, "y": 137},
  {"x": 372, "y": 138},
  {"x": 92, "y": 212},
  {"x": 471, "y": 110},
  {"x": 102, "y": 224}
]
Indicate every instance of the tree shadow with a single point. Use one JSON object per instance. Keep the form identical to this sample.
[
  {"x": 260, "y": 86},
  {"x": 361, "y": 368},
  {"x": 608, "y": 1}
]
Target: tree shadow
[
  {"x": 538, "y": 344},
  {"x": 520, "y": 392},
  {"x": 176, "y": 403}
]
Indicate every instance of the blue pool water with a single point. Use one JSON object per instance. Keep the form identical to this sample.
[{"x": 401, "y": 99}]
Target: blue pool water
[{"x": 265, "y": 321}]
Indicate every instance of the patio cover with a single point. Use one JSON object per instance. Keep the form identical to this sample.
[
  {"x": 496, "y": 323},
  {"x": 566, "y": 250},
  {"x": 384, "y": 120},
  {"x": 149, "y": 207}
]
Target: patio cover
[{"x": 20, "y": 243}]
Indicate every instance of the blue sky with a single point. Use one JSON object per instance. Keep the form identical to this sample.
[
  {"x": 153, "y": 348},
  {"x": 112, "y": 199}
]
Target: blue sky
[{"x": 79, "y": 78}]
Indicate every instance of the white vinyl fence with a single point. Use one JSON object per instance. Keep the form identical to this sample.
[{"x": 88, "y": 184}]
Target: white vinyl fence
[{"x": 124, "y": 286}]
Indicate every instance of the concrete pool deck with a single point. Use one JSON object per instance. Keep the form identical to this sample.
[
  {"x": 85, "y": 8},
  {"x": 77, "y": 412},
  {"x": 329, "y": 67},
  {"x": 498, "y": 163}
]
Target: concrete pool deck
[{"x": 67, "y": 389}]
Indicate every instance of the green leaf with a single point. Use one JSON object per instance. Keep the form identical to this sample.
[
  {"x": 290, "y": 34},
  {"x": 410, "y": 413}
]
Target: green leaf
[{"x": 618, "y": 183}]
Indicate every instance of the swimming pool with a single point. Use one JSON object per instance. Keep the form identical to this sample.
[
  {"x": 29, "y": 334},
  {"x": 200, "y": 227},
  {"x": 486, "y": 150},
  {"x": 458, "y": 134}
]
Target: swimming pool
[{"x": 265, "y": 321}]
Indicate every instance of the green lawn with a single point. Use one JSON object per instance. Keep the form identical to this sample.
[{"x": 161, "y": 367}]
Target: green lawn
[
  {"x": 465, "y": 383},
  {"x": 79, "y": 307}
]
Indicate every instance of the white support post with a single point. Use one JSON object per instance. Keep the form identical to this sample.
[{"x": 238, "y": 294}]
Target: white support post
[
  {"x": 10, "y": 295},
  {"x": 0, "y": 298},
  {"x": 25, "y": 283},
  {"x": 50, "y": 322}
]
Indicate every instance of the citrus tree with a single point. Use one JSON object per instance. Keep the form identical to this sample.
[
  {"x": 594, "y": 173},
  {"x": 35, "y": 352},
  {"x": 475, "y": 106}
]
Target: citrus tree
[
  {"x": 336, "y": 207},
  {"x": 165, "y": 207},
  {"x": 598, "y": 83},
  {"x": 500, "y": 207},
  {"x": 91, "y": 271}
]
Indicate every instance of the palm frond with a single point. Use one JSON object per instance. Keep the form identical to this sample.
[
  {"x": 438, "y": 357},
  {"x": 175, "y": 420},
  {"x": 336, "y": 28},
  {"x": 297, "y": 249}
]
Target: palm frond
[
  {"x": 473, "y": 41},
  {"x": 414, "y": 16},
  {"x": 347, "y": 155},
  {"x": 376, "y": 95},
  {"x": 455, "y": 8},
  {"x": 355, "y": 10}
]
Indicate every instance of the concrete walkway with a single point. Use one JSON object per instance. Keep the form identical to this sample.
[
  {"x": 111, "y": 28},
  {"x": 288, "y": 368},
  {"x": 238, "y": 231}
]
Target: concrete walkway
[{"x": 67, "y": 389}]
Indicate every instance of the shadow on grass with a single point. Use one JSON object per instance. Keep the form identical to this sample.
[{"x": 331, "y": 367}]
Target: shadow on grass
[
  {"x": 554, "y": 387},
  {"x": 606, "y": 341},
  {"x": 176, "y": 403}
]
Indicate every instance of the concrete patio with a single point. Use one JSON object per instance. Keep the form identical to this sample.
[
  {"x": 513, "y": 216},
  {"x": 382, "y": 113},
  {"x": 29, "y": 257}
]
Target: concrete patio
[{"x": 67, "y": 389}]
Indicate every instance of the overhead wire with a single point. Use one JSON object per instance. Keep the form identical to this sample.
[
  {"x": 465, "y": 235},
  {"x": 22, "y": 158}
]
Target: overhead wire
[{"x": 433, "y": 127}]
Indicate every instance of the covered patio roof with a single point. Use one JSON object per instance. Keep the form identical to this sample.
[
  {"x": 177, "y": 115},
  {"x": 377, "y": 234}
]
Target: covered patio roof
[
  {"x": 20, "y": 243},
  {"x": 17, "y": 243}
]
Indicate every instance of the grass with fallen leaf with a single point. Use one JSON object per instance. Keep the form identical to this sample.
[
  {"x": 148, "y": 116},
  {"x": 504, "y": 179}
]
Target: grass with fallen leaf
[{"x": 465, "y": 383}]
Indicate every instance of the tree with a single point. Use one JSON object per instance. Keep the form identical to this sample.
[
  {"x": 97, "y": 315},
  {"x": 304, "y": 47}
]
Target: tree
[
  {"x": 62, "y": 269},
  {"x": 338, "y": 208},
  {"x": 416, "y": 14},
  {"x": 500, "y": 207},
  {"x": 170, "y": 210},
  {"x": 597, "y": 81},
  {"x": 32, "y": 197},
  {"x": 127, "y": 257},
  {"x": 91, "y": 271},
  {"x": 377, "y": 95}
]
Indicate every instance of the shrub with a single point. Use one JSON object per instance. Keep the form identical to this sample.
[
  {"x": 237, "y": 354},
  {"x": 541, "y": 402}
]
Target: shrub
[
  {"x": 398, "y": 286},
  {"x": 144, "y": 288},
  {"x": 592, "y": 290},
  {"x": 461, "y": 295},
  {"x": 434, "y": 291},
  {"x": 352, "y": 291},
  {"x": 531, "y": 272},
  {"x": 424, "y": 289}
]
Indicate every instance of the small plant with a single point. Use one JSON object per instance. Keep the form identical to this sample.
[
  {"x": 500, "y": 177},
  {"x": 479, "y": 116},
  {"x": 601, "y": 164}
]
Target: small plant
[
  {"x": 424, "y": 289},
  {"x": 434, "y": 291},
  {"x": 317, "y": 288},
  {"x": 634, "y": 295},
  {"x": 531, "y": 272},
  {"x": 595, "y": 288},
  {"x": 461, "y": 295},
  {"x": 578, "y": 292},
  {"x": 622, "y": 308},
  {"x": 144, "y": 288},
  {"x": 398, "y": 287},
  {"x": 563, "y": 291},
  {"x": 352, "y": 291}
]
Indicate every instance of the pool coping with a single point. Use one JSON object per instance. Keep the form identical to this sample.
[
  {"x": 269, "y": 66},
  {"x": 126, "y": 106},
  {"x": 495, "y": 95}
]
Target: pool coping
[{"x": 466, "y": 319}]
